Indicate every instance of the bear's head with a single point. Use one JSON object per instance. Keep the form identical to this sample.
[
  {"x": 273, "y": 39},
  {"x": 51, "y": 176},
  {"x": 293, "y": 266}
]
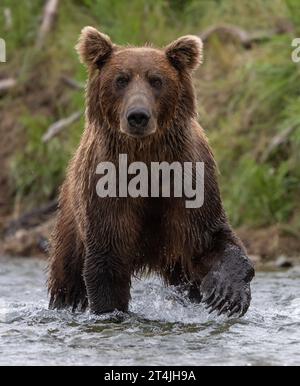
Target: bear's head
[{"x": 139, "y": 91}]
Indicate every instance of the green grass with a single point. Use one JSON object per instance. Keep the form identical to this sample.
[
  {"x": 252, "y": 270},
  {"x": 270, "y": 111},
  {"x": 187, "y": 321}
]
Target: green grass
[
  {"x": 39, "y": 168},
  {"x": 246, "y": 97},
  {"x": 261, "y": 100}
]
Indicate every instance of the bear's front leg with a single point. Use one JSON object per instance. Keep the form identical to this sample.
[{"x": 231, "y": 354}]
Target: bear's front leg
[
  {"x": 226, "y": 287},
  {"x": 107, "y": 281}
]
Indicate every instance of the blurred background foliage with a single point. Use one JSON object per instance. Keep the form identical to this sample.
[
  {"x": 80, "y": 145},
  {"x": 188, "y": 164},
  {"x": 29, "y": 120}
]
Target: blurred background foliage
[{"x": 247, "y": 97}]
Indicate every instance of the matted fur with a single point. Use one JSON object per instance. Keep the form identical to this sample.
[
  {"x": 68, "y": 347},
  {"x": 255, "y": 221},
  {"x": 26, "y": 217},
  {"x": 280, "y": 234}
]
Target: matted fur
[{"x": 98, "y": 244}]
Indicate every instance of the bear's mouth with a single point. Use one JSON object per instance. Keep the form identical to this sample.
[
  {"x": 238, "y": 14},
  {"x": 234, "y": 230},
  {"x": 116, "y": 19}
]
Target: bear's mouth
[{"x": 137, "y": 134}]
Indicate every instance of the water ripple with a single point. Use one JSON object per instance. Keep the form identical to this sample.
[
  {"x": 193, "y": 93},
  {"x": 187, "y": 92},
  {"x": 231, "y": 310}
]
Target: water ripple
[{"x": 162, "y": 327}]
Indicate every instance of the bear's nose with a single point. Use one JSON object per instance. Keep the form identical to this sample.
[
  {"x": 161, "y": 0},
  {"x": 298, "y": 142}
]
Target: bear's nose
[{"x": 138, "y": 118}]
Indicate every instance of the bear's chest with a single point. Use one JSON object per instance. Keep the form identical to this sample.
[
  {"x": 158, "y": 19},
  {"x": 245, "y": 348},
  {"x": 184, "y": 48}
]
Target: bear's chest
[{"x": 165, "y": 228}]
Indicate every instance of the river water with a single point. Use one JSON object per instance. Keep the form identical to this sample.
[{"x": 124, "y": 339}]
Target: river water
[{"x": 163, "y": 328}]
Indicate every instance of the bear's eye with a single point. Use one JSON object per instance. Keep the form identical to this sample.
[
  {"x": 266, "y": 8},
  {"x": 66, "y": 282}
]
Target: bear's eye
[
  {"x": 156, "y": 82},
  {"x": 122, "y": 81}
]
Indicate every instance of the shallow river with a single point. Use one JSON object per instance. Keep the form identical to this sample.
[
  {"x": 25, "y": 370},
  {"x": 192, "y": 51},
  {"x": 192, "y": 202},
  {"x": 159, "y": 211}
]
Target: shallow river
[{"x": 162, "y": 328}]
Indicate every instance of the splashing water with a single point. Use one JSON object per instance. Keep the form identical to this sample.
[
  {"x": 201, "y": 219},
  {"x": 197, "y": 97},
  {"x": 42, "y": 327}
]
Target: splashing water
[{"x": 162, "y": 328}]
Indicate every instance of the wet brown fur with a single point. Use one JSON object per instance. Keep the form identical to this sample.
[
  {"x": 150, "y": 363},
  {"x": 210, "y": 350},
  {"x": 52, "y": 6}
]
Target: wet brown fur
[{"x": 98, "y": 244}]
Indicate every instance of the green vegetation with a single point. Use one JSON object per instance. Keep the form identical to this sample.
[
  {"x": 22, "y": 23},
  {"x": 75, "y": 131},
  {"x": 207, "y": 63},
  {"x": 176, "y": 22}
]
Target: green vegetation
[{"x": 246, "y": 97}]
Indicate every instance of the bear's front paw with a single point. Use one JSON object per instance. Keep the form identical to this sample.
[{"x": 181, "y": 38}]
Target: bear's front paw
[{"x": 228, "y": 290}]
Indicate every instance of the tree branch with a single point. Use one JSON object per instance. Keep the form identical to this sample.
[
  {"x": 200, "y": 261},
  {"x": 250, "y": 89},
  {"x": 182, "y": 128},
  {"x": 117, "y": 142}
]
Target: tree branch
[
  {"x": 57, "y": 127},
  {"x": 277, "y": 141},
  {"x": 8, "y": 18},
  {"x": 50, "y": 13},
  {"x": 72, "y": 83}
]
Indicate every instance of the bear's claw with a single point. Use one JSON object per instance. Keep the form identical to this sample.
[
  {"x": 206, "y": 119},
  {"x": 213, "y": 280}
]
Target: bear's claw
[
  {"x": 226, "y": 288},
  {"x": 234, "y": 301}
]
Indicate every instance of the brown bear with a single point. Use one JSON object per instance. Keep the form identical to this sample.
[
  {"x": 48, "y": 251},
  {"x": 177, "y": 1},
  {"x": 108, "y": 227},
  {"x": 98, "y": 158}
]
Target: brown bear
[{"x": 140, "y": 102}]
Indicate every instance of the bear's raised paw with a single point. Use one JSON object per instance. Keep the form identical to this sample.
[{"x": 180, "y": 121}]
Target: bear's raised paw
[{"x": 226, "y": 288}]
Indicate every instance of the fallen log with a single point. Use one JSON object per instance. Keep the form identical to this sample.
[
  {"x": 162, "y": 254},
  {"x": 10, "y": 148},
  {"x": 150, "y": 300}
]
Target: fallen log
[
  {"x": 7, "y": 84},
  {"x": 57, "y": 127},
  {"x": 247, "y": 39},
  {"x": 31, "y": 219},
  {"x": 29, "y": 242}
]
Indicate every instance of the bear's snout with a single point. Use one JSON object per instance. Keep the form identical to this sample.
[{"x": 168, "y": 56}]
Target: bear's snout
[{"x": 138, "y": 118}]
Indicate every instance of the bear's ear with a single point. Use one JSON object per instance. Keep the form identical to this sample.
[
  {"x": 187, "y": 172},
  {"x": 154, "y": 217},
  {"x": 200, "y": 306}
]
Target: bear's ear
[
  {"x": 185, "y": 52},
  {"x": 94, "y": 47}
]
